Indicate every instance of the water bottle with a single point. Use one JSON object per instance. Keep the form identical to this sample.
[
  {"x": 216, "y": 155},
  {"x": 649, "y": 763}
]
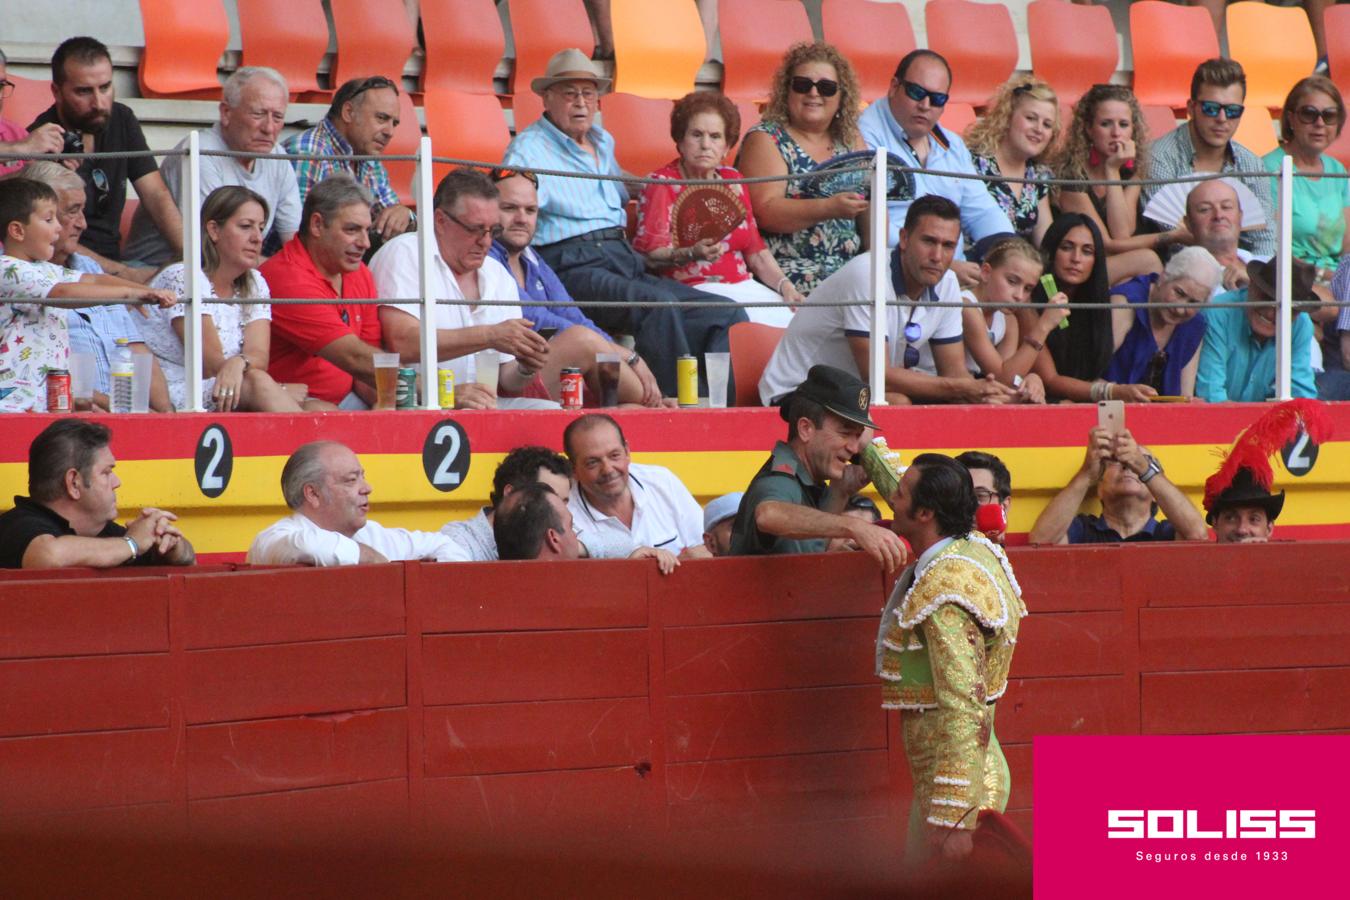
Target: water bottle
[{"x": 123, "y": 370}]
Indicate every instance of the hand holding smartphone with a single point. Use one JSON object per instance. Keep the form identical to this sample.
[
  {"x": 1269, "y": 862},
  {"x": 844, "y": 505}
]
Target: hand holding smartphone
[{"x": 1111, "y": 415}]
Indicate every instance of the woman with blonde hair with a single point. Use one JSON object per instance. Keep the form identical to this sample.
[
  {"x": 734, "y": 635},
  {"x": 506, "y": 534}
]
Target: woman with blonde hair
[
  {"x": 1016, "y": 135},
  {"x": 812, "y": 116}
]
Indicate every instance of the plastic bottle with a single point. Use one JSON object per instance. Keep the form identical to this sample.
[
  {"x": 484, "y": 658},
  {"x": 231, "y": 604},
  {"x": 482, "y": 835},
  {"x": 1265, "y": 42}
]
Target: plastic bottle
[{"x": 122, "y": 373}]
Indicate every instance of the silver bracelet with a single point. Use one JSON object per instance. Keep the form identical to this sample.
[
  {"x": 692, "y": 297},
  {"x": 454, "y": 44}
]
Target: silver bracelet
[{"x": 131, "y": 542}]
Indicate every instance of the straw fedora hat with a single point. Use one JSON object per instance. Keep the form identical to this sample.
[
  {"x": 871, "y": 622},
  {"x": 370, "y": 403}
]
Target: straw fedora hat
[{"x": 570, "y": 65}]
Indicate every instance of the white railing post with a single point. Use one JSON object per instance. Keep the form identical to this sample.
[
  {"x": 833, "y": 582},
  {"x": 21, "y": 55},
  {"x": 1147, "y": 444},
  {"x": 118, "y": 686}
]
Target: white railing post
[
  {"x": 426, "y": 249},
  {"x": 192, "y": 263},
  {"x": 880, "y": 275},
  {"x": 1284, "y": 314}
]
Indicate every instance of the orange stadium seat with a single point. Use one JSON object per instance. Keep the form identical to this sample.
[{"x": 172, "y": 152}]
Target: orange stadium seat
[
  {"x": 641, "y": 130},
  {"x": 1256, "y": 131},
  {"x": 874, "y": 36},
  {"x": 751, "y": 346},
  {"x": 406, "y": 138},
  {"x": 1340, "y": 148},
  {"x": 183, "y": 45},
  {"x": 1073, "y": 47},
  {"x": 755, "y": 34},
  {"x": 541, "y": 28},
  {"x": 526, "y": 108},
  {"x": 1337, "y": 21},
  {"x": 128, "y": 212},
  {"x": 464, "y": 44},
  {"x": 1276, "y": 49},
  {"x": 291, "y": 36},
  {"x": 658, "y": 47},
  {"x": 957, "y": 117},
  {"x": 1159, "y": 119},
  {"x": 374, "y": 37},
  {"x": 29, "y": 100},
  {"x": 465, "y": 126},
  {"x": 979, "y": 43},
  {"x": 1168, "y": 42}
]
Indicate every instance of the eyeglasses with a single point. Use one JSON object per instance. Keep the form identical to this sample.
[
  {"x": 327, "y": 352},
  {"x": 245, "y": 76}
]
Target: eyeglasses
[
  {"x": 102, "y": 186},
  {"x": 478, "y": 232},
  {"x": 503, "y": 174},
  {"x": 1310, "y": 114},
  {"x": 918, "y": 92},
  {"x": 985, "y": 496},
  {"x": 374, "y": 82},
  {"x": 572, "y": 95},
  {"x": 1211, "y": 109},
  {"x": 6, "y": 88},
  {"x": 825, "y": 87}
]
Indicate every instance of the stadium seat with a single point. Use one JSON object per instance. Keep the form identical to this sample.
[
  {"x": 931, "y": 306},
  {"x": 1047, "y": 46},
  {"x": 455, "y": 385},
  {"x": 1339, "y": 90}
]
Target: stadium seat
[
  {"x": 291, "y": 36},
  {"x": 979, "y": 43},
  {"x": 465, "y": 126},
  {"x": 183, "y": 46},
  {"x": 1337, "y": 21},
  {"x": 1340, "y": 148},
  {"x": 526, "y": 108},
  {"x": 541, "y": 28},
  {"x": 406, "y": 138},
  {"x": 1276, "y": 49},
  {"x": 1256, "y": 131},
  {"x": 464, "y": 43},
  {"x": 641, "y": 130},
  {"x": 755, "y": 35},
  {"x": 658, "y": 47},
  {"x": 29, "y": 100},
  {"x": 1073, "y": 47},
  {"x": 1160, "y": 120},
  {"x": 128, "y": 211},
  {"x": 957, "y": 117},
  {"x": 874, "y": 36},
  {"x": 751, "y": 346},
  {"x": 1168, "y": 41},
  {"x": 374, "y": 37}
]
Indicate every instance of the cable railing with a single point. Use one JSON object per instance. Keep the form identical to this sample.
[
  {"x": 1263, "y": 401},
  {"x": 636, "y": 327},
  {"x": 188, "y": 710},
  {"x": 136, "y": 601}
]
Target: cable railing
[{"x": 878, "y": 223}]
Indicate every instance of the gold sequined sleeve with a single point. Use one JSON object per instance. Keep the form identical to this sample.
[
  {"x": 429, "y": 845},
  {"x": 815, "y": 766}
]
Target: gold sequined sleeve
[{"x": 956, "y": 651}]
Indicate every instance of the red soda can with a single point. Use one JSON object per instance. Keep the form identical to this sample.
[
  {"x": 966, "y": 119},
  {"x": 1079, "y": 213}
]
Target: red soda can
[
  {"x": 58, "y": 390},
  {"x": 572, "y": 386}
]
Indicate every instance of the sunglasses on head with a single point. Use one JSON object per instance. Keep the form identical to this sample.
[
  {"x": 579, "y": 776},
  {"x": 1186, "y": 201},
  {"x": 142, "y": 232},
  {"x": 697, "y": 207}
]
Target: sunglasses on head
[
  {"x": 917, "y": 92},
  {"x": 503, "y": 174},
  {"x": 825, "y": 87},
  {"x": 1310, "y": 114},
  {"x": 1211, "y": 109}
]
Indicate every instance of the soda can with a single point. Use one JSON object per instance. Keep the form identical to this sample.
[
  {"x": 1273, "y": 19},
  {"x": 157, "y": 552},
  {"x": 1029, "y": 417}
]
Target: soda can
[
  {"x": 406, "y": 392},
  {"x": 572, "y": 387},
  {"x": 445, "y": 392},
  {"x": 686, "y": 377},
  {"x": 58, "y": 390}
]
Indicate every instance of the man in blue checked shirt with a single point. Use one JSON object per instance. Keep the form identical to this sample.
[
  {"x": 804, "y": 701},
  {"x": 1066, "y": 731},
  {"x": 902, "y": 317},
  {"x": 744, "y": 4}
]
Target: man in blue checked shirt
[{"x": 581, "y": 227}]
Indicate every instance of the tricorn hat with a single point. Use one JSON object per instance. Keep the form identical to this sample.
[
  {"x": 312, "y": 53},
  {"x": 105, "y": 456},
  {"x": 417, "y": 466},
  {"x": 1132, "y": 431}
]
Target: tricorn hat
[
  {"x": 570, "y": 65},
  {"x": 1246, "y": 475},
  {"x": 840, "y": 392}
]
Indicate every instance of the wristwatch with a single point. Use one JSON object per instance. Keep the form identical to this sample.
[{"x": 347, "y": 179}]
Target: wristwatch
[{"x": 1154, "y": 468}]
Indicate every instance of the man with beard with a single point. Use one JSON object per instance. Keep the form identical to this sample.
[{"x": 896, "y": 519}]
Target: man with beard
[{"x": 85, "y": 107}]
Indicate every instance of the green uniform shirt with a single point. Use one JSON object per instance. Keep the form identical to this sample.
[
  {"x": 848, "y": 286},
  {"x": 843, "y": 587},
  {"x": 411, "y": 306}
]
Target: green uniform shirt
[{"x": 783, "y": 477}]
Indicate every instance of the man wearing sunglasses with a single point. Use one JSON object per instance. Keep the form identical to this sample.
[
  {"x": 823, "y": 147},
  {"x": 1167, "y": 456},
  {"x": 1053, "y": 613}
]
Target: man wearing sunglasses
[
  {"x": 361, "y": 122},
  {"x": 905, "y": 122},
  {"x": 1205, "y": 143}
]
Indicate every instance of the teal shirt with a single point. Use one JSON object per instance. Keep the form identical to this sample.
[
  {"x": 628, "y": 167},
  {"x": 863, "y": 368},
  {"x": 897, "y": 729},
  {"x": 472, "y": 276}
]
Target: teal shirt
[
  {"x": 1319, "y": 211},
  {"x": 783, "y": 477},
  {"x": 1234, "y": 365}
]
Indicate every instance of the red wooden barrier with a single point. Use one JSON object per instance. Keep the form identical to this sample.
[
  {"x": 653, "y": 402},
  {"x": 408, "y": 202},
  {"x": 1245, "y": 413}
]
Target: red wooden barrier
[{"x": 501, "y": 699}]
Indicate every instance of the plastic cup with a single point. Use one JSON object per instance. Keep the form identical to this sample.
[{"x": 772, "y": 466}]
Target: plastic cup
[
  {"x": 486, "y": 364},
  {"x": 608, "y": 376},
  {"x": 82, "y": 369},
  {"x": 386, "y": 380},
  {"x": 718, "y": 367},
  {"x": 140, "y": 381}
]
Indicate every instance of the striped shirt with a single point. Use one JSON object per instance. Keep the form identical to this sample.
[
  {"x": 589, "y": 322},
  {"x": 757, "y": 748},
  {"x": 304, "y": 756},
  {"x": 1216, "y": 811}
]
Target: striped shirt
[
  {"x": 323, "y": 139},
  {"x": 95, "y": 329},
  {"x": 570, "y": 206}
]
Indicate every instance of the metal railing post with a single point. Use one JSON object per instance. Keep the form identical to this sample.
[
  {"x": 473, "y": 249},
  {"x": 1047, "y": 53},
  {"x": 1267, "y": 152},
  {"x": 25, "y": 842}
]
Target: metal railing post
[
  {"x": 880, "y": 275},
  {"x": 1284, "y": 315},
  {"x": 426, "y": 250},
  {"x": 192, "y": 264}
]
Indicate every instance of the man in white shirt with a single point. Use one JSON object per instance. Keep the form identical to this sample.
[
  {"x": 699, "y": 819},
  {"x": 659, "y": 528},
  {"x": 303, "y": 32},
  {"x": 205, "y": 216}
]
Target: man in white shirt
[
  {"x": 522, "y": 466},
  {"x": 619, "y": 505},
  {"x": 925, "y": 362},
  {"x": 326, "y": 488}
]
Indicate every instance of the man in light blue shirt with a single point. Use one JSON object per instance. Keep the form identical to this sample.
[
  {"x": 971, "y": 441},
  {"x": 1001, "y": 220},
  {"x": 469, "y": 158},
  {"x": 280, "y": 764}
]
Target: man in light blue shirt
[
  {"x": 581, "y": 228},
  {"x": 1237, "y": 361},
  {"x": 905, "y": 122}
]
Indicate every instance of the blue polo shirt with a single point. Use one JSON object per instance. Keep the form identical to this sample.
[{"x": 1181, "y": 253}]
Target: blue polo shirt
[{"x": 1085, "y": 529}]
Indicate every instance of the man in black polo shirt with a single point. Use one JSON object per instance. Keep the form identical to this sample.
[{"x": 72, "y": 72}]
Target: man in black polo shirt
[
  {"x": 82, "y": 85},
  {"x": 788, "y": 507},
  {"x": 68, "y": 520}
]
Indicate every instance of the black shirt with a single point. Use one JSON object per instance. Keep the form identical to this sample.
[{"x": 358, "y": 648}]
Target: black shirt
[
  {"x": 105, "y": 180},
  {"x": 30, "y": 519}
]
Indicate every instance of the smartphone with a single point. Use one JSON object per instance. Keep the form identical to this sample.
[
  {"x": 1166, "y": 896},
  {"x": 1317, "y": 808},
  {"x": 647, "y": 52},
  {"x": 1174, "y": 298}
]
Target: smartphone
[
  {"x": 548, "y": 332},
  {"x": 1111, "y": 415}
]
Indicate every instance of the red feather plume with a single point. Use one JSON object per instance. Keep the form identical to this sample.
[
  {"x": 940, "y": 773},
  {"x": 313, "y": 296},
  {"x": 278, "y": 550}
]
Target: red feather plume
[{"x": 1264, "y": 438}]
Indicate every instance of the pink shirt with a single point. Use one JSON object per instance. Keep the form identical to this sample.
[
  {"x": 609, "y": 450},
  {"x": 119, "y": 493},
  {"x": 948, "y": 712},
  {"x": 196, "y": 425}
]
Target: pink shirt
[{"x": 11, "y": 132}]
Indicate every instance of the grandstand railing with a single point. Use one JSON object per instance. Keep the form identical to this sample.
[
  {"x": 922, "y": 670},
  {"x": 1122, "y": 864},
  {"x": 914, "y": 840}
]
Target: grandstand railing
[{"x": 878, "y": 223}]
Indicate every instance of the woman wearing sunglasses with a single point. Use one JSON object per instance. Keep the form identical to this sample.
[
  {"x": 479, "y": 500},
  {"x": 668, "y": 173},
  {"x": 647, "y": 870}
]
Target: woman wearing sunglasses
[
  {"x": 1313, "y": 117},
  {"x": 1016, "y": 135},
  {"x": 812, "y": 116}
]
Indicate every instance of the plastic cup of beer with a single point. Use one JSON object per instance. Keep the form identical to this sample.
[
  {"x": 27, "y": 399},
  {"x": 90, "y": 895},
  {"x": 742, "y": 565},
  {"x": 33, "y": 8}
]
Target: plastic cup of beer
[
  {"x": 82, "y": 379},
  {"x": 718, "y": 367},
  {"x": 607, "y": 366},
  {"x": 386, "y": 380},
  {"x": 486, "y": 364}
]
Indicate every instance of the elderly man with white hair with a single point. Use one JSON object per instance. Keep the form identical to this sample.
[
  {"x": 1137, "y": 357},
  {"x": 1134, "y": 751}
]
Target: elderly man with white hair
[
  {"x": 326, "y": 488},
  {"x": 1158, "y": 346},
  {"x": 252, "y": 113}
]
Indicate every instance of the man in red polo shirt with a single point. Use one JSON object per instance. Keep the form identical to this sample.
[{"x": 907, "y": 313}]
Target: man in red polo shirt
[{"x": 329, "y": 347}]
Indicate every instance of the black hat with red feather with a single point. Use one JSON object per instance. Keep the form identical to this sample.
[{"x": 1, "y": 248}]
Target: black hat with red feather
[{"x": 1246, "y": 475}]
